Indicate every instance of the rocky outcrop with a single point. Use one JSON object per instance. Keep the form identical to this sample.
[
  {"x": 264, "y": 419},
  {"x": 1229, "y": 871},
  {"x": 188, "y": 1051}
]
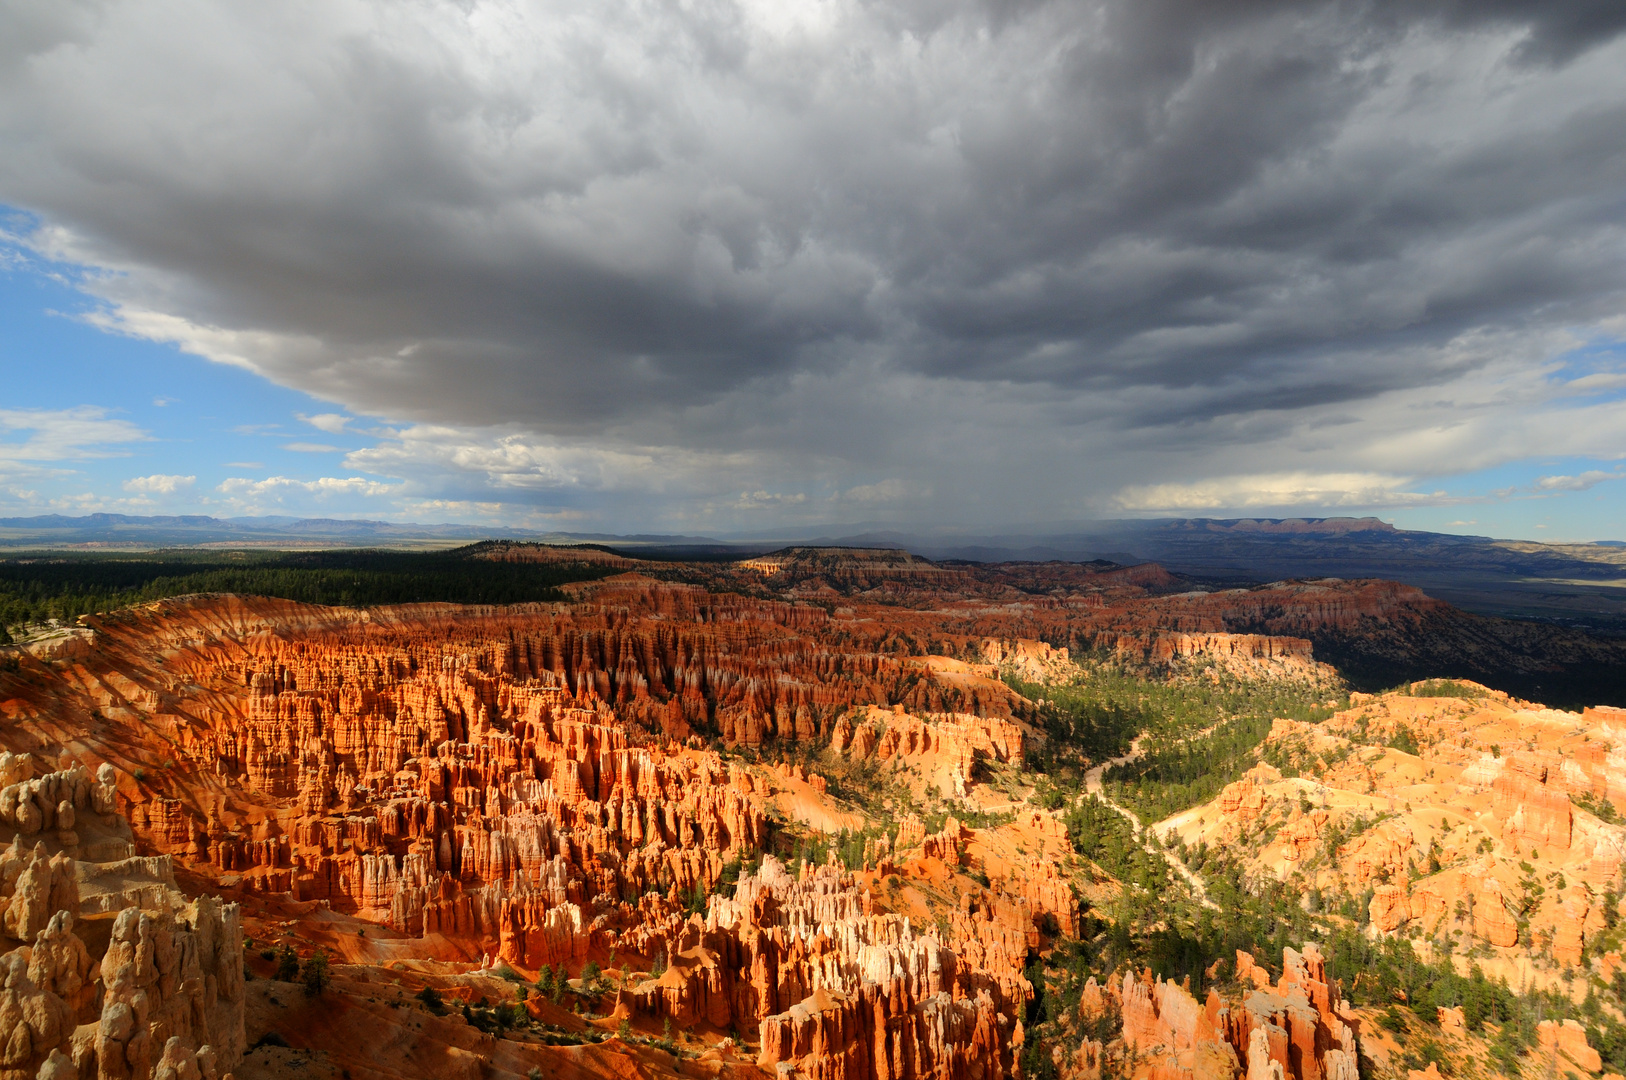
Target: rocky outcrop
[
  {"x": 1537, "y": 814},
  {"x": 1390, "y": 907},
  {"x": 1569, "y": 1039},
  {"x": 480, "y": 780},
  {"x": 173, "y": 998},
  {"x": 838, "y": 991},
  {"x": 943, "y": 748},
  {"x": 60, "y": 963},
  {"x": 466, "y": 773},
  {"x": 512, "y": 782},
  {"x": 1300, "y": 837},
  {"x": 1248, "y": 656},
  {"x": 1492, "y": 920},
  {"x": 36, "y": 1022},
  {"x": 50, "y": 804},
  {"x": 1244, "y": 799},
  {"x": 34, "y": 885},
  {"x": 165, "y": 1000},
  {"x": 835, "y": 1036},
  {"x": 535, "y": 783},
  {"x": 1570, "y": 927},
  {"x": 1294, "y": 1029},
  {"x": 1383, "y": 852},
  {"x": 1160, "y": 1014},
  {"x": 1034, "y": 661},
  {"x": 160, "y": 997}
]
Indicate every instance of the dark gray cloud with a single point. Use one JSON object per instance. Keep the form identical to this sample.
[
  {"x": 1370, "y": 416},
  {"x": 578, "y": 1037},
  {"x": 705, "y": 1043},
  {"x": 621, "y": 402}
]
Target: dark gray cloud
[{"x": 652, "y": 251}]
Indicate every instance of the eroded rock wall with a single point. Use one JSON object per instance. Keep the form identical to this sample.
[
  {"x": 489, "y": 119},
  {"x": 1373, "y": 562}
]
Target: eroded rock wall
[
  {"x": 836, "y": 990},
  {"x": 1296, "y": 1029}
]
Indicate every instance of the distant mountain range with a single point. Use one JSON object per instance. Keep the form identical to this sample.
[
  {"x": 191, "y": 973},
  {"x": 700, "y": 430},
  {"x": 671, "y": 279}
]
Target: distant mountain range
[
  {"x": 1579, "y": 584},
  {"x": 124, "y": 531}
]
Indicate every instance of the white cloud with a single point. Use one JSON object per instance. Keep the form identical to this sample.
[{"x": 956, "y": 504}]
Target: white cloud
[
  {"x": 81, "y": 502},
  {"x": 432, "y": 511},
  {"x": 252, "y": 350},
  {"x": 513, "y": 463},
  {"x": 311, "y": 448},
  {"x": 73, "y": 434},
  {"x": 325, "y": 486},
  {"x": 332, "y": 423},
  {"x": 1596, "y": 382},
  {"x": 1582, "y": 482},
  {"x": 764, "y": 500},
  {"x": 159, "y": 484},
  {"x": 1263, "y": 491}
]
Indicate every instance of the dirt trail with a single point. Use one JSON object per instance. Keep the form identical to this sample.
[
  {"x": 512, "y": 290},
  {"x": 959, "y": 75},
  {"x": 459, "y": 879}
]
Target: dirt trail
[{"x": 1093, "y": 786}]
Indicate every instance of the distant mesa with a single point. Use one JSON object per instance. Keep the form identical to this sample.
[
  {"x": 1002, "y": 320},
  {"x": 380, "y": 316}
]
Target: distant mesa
[
  {"x": 850, "y": 569},
  {"x": 815, "y": 559},
  {"x": 518, "y": 551}
]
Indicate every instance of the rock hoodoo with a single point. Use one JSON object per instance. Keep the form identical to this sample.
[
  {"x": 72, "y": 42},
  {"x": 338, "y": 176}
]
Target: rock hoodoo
[{"x": 164, "y": 1000}]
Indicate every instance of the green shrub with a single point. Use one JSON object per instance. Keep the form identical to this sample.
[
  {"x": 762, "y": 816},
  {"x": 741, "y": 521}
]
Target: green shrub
[
  {"x": 1405, "y": 742},
  {"x": 1450, "y": 688}
]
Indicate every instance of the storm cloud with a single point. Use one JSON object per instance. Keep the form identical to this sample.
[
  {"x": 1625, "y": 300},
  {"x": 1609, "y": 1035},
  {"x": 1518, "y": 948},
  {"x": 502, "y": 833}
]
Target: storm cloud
[{"x": 968, "y": 260}]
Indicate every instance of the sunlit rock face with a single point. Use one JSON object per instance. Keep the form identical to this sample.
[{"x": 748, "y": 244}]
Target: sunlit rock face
[
  {"x": 1297, "y": 1028},
  {"x": 160, "y": 993},
  {"x": 466, "y": 772}
]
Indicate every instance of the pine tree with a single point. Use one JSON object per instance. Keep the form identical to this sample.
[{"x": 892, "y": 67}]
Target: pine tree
[
  {"x": 287, "y": 964},
  {"x": 316, "y": 974}
]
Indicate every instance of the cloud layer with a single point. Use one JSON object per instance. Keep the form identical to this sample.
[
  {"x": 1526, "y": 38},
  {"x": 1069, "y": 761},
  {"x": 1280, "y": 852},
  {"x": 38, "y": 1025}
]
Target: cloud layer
[{"x": 959, "y": 261}]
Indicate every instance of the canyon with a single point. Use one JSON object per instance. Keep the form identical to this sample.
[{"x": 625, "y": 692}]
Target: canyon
[{"x": 772, "y": 818}]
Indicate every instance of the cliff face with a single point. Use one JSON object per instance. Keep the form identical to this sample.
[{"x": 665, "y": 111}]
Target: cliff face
[{"x": 1247, "y": 656}]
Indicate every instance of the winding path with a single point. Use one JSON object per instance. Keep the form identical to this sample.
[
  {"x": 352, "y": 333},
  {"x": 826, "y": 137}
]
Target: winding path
[{"x": 1093, "y": 786}]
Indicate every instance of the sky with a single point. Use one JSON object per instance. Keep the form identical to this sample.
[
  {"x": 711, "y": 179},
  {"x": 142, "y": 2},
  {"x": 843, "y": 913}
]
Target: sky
[{"x": 726, "y": 268}]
